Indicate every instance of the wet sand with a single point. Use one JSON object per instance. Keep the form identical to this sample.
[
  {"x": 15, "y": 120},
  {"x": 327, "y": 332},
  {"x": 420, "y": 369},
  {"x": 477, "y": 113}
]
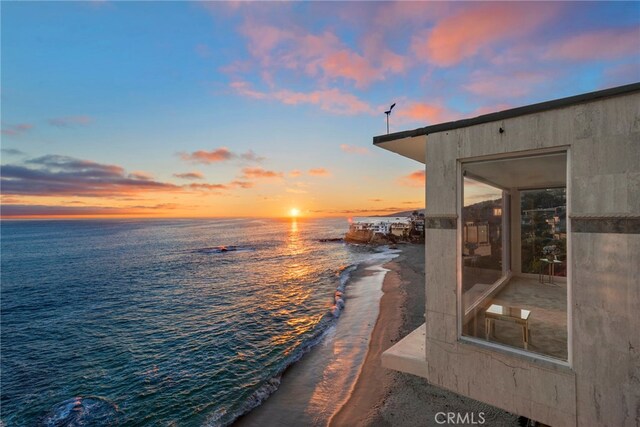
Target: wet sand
[{"x": 382, "y": 397}]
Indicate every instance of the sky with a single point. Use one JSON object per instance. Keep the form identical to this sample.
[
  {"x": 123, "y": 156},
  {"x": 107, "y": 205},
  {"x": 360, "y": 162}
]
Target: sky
[{"x": 251, "y": 109}]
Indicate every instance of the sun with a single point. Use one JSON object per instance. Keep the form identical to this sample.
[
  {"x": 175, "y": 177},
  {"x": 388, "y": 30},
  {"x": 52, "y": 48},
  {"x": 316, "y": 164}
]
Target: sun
[{"x": 294, "y": 212}]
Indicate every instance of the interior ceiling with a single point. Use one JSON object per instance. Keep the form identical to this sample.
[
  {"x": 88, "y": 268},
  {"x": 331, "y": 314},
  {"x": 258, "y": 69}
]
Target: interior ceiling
[
  {"x": 544, "y": 171},
  {"x": 412, "y": 147}
]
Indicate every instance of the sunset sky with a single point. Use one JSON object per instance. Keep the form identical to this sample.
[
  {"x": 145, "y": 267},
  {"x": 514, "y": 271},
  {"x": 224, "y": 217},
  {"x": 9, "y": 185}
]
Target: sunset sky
[{"x": 179, "y": 109}]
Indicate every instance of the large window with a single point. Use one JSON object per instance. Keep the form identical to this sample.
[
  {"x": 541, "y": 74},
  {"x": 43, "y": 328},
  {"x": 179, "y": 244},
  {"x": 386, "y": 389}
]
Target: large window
[{"x": 513, "y": 263}]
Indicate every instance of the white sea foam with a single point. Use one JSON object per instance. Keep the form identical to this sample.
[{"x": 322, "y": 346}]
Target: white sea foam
[{"x": 328, "y": 373}]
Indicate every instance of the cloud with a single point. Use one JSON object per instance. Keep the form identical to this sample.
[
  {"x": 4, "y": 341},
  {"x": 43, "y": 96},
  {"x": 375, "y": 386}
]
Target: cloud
[
  {"x": 22, "y": 210},
  {"x": 218, "y": 155},
  {"x": 67, "y": 176},
  {"x": 319, "y": 55},
  {"x": 251, "y": 156},
  {"x": 189, "y": 175},
  {"x": 361, "y": 211},
  {"x": 470, "y": 30},
  {"x": 260, "y": 173},
  {"x": 319, "y": 172},
  {"x": 423, "y": 112},
  {"x": 207, "y": 157},
  {"x": 375, "y": 200},
  {"x": 70, "y": 121},
  {"x": 216, "y": 188},
  {"x": 295, "y": 173},
  {"x": 331, "y": 100},
  {"x": 352, "y": 149},
  {"x": 15, "y": 130},
  {"x": 414, "y": 179},
  {"x": 208, "y": 187},
  {"x": 12, "y": 152},
  {"x": 597, "y": 45},
  {"x": 241, "y": 184},
  {"x": 145, "y": 176}
]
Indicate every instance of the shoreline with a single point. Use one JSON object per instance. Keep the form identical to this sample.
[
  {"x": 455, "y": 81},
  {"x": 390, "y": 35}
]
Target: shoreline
[
  {"x": 382, "y": 397},
  {"x": 312, "y": 388}
]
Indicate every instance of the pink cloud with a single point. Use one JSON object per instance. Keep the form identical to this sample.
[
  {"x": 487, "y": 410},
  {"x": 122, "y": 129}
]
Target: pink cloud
[
  {"x": 467, "y": 32},
  {"x": 352, "y": 149},
  {"x": 259, "y": 173},
  {"x": 319, "y": 172},
  {"x": 606, "y": 44},
  {"x": 321, "y": 55},
  {"x": 331, "y": 100},
  {"x": 15, "y": 130},
  {"x": 414, "y": 179}
]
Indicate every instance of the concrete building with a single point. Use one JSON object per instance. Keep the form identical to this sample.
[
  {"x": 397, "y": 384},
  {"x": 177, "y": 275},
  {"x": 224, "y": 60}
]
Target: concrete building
[{"x": 540, "y": 323}]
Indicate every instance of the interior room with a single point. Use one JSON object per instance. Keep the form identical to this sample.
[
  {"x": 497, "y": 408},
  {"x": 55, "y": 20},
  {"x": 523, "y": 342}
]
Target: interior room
[{"x": 514, "y": 252}]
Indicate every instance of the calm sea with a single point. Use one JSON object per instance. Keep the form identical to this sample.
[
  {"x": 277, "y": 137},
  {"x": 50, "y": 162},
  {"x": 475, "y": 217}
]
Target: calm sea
[{"x": 126, "y": 322}]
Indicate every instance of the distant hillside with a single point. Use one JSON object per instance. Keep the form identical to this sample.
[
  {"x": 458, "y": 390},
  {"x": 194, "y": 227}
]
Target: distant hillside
[{"x": 405, "y": 213}]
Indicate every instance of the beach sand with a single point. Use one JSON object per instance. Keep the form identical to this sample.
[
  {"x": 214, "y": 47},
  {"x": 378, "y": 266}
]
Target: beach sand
[
  {"x": 382, "y": 397},
  {"x": 377, "y": 396}
]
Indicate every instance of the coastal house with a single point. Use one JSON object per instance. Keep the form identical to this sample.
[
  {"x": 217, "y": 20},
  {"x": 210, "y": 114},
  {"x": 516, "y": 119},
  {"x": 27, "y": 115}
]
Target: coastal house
[{"x": 533, "y": 259}]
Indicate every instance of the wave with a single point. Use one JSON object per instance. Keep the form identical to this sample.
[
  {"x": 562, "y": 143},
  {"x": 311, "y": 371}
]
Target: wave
[
  {"x": 221, "y": 418},
  {"x": 83, "y": 411}
]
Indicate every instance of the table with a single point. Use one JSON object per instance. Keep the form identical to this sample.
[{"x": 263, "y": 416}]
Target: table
[
  {"x": 551, "y": 269},
  {"x": 507, "y": 314}
]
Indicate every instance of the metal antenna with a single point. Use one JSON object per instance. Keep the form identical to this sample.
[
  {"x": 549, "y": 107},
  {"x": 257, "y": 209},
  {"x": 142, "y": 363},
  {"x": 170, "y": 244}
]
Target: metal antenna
[{"x": 388, "y": 113}]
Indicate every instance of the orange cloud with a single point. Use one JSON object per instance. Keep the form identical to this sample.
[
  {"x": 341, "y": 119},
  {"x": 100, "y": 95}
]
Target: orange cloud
[
  {"x": 467, "y": 32},
  {"x": 221, "y": 154},
  {"x": 295, "y": 173},
  {"x": 259, "y": 173},
  {"x": 422, "y": 112},
  {"x": 201, "y": 156},
  {"x": 414, "y": 179},
  {"x": 319, "y": 172},
  {"x": 352, "y": 149},
  {"x": 606, "y": 44}
]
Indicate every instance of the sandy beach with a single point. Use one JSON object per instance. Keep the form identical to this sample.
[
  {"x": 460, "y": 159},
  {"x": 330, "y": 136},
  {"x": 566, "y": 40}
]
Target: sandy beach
[
  {"x": 382, "y": 397},
  {"x": 378, "y": 396}
]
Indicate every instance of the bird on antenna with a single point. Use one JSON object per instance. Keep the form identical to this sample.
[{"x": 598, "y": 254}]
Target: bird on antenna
[{"x": 388, "y": 113}]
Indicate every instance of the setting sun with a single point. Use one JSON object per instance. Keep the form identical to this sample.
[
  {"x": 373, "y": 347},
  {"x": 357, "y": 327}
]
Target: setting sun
[{"x": 294, "y": 212}]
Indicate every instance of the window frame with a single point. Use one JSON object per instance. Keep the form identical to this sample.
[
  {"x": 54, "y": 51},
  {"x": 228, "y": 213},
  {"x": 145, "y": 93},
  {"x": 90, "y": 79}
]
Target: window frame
[{"x": 507, "y": 259}]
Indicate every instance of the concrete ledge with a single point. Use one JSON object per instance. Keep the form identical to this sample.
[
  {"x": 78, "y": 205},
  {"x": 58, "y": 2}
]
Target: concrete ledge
[{"x": 409, "y": 355}]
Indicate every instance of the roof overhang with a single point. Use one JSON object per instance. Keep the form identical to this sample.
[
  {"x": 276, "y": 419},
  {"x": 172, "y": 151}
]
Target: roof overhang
[{"x": 413, "y": 147}]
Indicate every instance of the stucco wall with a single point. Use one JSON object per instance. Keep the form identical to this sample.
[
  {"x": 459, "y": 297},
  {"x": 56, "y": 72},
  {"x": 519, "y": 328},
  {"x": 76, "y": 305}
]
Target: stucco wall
[{"x": 602, "y": 384}]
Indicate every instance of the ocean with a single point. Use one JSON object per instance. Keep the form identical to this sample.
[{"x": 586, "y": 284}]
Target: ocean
[{"x": 163, "y": 322}]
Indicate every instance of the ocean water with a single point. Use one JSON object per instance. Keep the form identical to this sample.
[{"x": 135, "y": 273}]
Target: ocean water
[{"x": 181, "y": 322}]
